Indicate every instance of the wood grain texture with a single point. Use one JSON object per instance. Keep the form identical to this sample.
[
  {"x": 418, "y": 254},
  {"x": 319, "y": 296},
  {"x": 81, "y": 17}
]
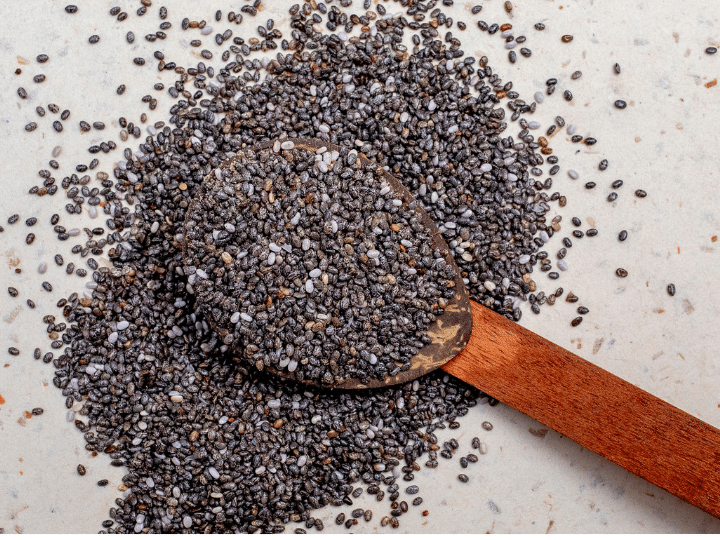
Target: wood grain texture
[{"x": 593, "y": 407}]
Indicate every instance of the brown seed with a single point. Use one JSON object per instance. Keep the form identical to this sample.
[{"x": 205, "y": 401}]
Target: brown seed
[
  {"x": 508, "y": 6},
  {"x": 81, "y": 470},
  {"x": 576, "y": 321},
  {"x": 567, "y": 38}
]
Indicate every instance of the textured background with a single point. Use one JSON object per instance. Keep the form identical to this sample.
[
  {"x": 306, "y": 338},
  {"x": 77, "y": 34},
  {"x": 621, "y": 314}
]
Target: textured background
[{"x": 531, "y": 480}]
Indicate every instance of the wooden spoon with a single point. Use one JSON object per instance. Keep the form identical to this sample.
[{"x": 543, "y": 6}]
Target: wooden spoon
[{"x": 591, "y": 406}]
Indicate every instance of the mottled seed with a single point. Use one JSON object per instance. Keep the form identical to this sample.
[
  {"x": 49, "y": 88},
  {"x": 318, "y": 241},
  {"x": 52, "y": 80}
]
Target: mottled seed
[
  {"x": 616, "y": 184},
  {"x": 640, "y": 193},
  {"x": 617, "y": 68},
  {"x": 582, "y": 310},
  {"x": 612, "y": 196},
  {"x": 567, "y": 94},
  {"x": 623, "y": 235},
  {"x": 71, "y": 8},
  {"x": 81, "y": 470},
  {"x": 487, "y": 426},
  {"x": 566, "y": 38},
  {"x": 121, "y": 90},
  {"x": 576, "y": 321},
  {"x": 539, "y": 26},
  {"x": 13, "y": 291},
  {"x": 463, "y": 478},
  {"x": 711, "y": 50},
  {"x": 671, "y": 289},
  {"x": 576, "y": 75},
  {"x": 103, "y": 482},
  {"x": 42, "y": 58},
  {"x": 94, "y": 39},
  {"x": 13, "y": 351},
  {"x": 620, "y": 104},
  {"x": 621, "y": 272}
]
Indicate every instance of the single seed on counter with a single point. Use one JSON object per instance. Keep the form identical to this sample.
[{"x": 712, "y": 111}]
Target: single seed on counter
[
  {"x": 621, "y": 272},
  {"x": 576, "y": 75},
  {"x": 566, "y": 38},
  {"x": 81, "y": 470},
  {"x": 576, "y": 321},
  {"x": 711, "y": 50},
  {"x": 640, "y": 193},
  {"x": 463, "y": 478},
  {"x": 567, "y": 94},
  {"x": 71, "y": 8},
  {"x": 13, "y": 351},
  {"x": 671, "y": 289},
  {"x": 620, "y": 104},
  {"x": 13, "y": 291},
  {"x": 487, "y": 426},
  {"x": 617, "y": 68},
  {"x": 623, "y": 235},
  {"x": 93, "y": 39}
]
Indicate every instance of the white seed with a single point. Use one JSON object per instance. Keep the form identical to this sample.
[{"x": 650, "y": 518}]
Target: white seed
[{"x": 573, "y": 174}]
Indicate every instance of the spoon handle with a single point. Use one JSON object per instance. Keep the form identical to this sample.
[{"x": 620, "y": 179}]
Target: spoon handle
[{"x": 593, "y": 407}]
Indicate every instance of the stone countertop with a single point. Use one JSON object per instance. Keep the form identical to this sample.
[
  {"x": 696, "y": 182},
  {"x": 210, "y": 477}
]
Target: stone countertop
[{"x": 532, "y": 480}]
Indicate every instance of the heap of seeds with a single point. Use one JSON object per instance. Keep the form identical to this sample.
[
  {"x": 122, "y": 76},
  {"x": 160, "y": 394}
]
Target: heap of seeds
[
  {"x": 310, "y": 263},
  {"x": 213, "y": 445}
]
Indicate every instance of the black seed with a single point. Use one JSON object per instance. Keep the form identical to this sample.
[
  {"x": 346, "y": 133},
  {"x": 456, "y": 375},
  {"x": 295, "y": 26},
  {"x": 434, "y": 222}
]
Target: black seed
[
  {"x": 463, "y": 478},
  {"x": 603, "y": 165},
  {"x": 640, "y": 193},
  {"x": 622, "y": 236},
  {"x": 13, "y": 291},
  {"x": 671, "y": 289},
  {"x": 539, "y": 26},
  {"x": 711, "y": 50},
  {"x": 617, "y": 68},
  {"x": 620, "y": 104},
  {"x": 71, "y": 9},
  {"x": 81, "y": 470},
  {"x": 13, "y": 351},
  {"x": 94, "y": 39},
  {"x": 567, "y": 94}
]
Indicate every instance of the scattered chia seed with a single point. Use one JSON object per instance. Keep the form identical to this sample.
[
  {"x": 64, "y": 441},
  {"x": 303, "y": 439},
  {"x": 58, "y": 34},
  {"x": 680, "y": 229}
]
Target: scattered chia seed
[{"x": 671, "y": 289}]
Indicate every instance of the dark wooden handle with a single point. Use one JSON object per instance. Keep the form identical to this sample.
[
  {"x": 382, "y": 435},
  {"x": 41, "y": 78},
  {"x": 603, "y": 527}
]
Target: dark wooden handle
[{"x": 593, "y": 407}]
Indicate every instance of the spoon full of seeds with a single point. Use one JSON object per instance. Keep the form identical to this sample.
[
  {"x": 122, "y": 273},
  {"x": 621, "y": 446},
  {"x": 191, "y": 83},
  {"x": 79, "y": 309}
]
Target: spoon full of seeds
[{"x": 316, "y": 265}]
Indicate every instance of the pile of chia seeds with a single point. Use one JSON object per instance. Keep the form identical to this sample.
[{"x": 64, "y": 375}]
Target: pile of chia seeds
[{"x": 304, "y": 264}]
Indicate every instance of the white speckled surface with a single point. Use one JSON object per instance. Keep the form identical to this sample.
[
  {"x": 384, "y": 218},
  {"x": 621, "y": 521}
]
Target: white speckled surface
[{"x": 531, "y": 480}]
